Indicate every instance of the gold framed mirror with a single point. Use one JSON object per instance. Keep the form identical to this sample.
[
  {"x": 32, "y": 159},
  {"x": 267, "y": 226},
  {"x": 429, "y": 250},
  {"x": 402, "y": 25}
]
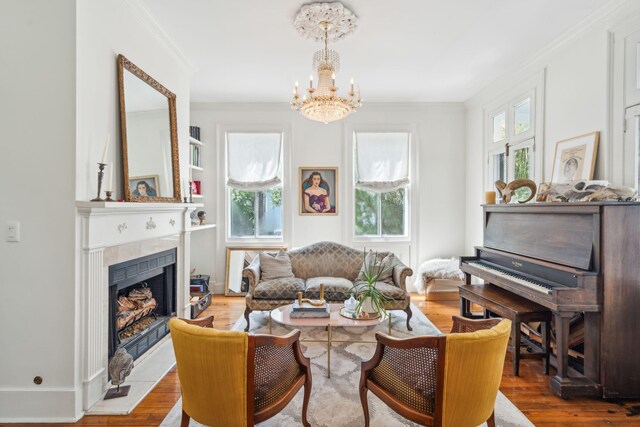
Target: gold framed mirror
[
  {"x": 237, "y": 260},
  {"x": 148, "y": 126}
]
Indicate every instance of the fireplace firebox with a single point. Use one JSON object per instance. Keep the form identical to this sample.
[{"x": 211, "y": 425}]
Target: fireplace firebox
[{"x": 141, "y": 302}]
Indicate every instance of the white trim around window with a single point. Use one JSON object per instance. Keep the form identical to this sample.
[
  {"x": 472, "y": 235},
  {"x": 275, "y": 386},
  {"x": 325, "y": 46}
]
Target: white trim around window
[
  {"x": 288, "y": 204},
  {"x": 527, "y": 97},
  {"x": 411, "y": 225}
]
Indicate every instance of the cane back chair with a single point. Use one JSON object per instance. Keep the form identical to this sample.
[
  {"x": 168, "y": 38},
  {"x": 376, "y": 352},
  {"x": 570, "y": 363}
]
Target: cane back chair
[
  {"x": 231, "y": 378},
  {"x": 445, "y": 380}
]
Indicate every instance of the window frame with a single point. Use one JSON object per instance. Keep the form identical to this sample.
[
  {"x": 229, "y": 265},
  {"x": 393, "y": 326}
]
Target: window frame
[
  {"x": 224, "y": 208},
  {"x": 411, "y": 191},
  {"x": 532, "y": 138}
]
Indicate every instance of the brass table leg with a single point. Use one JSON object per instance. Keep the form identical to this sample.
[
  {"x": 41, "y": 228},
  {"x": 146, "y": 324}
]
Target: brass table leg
[
  {"x": 389, "y": 315},
  {"x": 270, "y": 327},
  {"x": 329, "y": 352}
]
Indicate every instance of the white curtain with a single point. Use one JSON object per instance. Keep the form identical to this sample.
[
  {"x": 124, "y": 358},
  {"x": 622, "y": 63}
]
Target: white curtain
[
  {"x": 253, "y": 160},
  {"x": 382, "y": 160}
]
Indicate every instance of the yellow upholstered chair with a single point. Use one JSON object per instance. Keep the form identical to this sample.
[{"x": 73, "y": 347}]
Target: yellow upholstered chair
[
  {"x": 450, "y": 380},
  {"x": 233, "y": 379}
]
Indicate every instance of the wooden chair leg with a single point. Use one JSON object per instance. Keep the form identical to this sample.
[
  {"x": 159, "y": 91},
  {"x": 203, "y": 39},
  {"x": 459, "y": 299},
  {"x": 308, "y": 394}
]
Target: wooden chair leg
[
  {"x": 247, "y": 312},
  {"x": 365, "y": 405},
  {"x": 305, "y": 402},
  {"x": 491, "y": 422},
  {"x": 409, "y": 314},
  {"x": 185, "y": 419}
]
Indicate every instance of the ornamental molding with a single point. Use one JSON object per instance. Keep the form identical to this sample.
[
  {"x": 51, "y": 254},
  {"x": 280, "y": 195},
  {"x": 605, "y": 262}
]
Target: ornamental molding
[{"x": 307, "y": 21}]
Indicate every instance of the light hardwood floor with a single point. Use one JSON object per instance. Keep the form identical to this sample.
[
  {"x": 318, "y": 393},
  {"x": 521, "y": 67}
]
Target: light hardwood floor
[{"x": 530, "y": 392}]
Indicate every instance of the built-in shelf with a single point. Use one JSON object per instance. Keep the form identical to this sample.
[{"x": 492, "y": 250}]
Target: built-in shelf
[
  {"x": 202, "y": 227},
  {"x": 194, "y": 141},
  {"x": 197, "y": 196},
  {"x": 196, "y": 168}
]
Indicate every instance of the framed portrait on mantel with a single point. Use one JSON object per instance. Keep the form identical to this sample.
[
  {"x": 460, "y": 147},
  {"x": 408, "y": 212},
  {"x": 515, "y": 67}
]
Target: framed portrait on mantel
[
  {"x": 318, "y": 191},
  {"x": 575, "y": 158},
  {"x": 147, "y": 185}
]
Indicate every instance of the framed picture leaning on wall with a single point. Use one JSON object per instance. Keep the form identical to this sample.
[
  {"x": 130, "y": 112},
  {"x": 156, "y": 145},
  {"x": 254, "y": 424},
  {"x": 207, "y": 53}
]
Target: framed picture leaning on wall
[
  {"x": 318, "y": 191},
  {"x": 575, "y": 158}
]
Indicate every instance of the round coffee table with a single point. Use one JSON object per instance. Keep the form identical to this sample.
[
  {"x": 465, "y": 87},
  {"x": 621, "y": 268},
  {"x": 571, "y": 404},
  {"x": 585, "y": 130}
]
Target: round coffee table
[{"x": 282, "y": 315}]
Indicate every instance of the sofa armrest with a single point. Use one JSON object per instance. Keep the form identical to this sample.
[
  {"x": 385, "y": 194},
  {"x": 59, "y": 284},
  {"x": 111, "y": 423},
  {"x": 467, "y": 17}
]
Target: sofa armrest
[
  {"x": 252, "y": 272},
  {"x": 400, "y": 273}
]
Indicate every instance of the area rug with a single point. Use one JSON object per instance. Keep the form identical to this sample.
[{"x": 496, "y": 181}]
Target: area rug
[{"x": 335, "y": 401}]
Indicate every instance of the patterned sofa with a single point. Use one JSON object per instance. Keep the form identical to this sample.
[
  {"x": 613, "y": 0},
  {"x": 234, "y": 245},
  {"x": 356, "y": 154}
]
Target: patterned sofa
[{"x": 332, "y": 264}]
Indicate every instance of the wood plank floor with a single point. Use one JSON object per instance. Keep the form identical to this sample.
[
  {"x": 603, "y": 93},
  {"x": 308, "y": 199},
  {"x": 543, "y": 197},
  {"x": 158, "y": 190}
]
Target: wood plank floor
[{"x": 530, "y": 392}]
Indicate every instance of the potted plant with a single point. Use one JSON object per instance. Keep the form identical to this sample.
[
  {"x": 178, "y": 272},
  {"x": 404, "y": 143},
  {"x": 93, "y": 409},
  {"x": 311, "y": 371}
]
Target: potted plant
[{"x": 370, "y": 298}]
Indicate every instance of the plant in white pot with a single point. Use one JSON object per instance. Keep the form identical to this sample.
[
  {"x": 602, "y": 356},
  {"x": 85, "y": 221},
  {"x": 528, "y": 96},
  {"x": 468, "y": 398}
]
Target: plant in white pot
[{"x": 370, "y": 298}]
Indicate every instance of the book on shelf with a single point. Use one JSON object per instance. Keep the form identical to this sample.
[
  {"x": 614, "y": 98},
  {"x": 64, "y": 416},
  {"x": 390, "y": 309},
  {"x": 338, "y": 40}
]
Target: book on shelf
[{"x": 194, "y": 132}]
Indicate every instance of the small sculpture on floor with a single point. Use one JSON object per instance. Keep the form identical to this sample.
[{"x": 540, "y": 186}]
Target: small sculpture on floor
[{"x": 120, "y": 367}]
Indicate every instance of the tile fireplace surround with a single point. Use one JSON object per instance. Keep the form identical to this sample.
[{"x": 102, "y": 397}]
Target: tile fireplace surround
[{"x": 111, "y": 233}]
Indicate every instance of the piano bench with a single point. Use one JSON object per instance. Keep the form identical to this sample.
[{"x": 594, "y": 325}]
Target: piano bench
[{"x": 515, "y": 308}]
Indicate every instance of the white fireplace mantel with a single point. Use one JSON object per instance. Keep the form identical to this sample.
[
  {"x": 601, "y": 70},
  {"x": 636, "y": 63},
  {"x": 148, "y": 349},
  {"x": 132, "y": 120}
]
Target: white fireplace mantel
[{"x": 112, "y": 232}]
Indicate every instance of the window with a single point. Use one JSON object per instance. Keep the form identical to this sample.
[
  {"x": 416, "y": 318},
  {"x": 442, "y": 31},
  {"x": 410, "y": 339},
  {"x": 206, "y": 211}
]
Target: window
[
  {"x": 510, "y": 142},
  {"x": 381, "y": 176},
  {"x": 254, "y": 185}
]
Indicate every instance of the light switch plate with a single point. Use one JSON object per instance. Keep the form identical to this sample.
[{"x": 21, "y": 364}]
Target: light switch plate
[{"x": 13, "y": 231}]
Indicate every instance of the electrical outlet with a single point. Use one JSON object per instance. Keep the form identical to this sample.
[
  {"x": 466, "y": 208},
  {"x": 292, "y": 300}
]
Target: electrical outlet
[{"x": 13, "y": 231}]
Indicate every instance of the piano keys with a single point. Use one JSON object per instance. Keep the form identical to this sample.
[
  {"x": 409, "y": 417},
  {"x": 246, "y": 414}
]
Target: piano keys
[{"x": 573, "y": 258}]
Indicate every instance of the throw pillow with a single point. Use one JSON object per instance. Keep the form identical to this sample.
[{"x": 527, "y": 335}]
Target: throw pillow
[
  {"x": 386, "y": 262},
  {"x": 275, "y": 267}
]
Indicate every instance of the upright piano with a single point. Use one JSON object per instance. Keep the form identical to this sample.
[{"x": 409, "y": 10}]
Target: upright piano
[{"x": 573, "y": 258}]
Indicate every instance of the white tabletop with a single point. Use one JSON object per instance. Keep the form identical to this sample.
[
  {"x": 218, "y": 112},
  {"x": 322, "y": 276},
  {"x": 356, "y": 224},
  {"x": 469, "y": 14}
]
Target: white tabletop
[{"x": 282, "y": 315}]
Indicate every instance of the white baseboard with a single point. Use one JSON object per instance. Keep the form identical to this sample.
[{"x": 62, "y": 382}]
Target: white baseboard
[{"x": 51, "y": 405}]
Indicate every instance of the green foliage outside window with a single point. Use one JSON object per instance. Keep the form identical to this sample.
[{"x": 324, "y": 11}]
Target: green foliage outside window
[
  {"x": 380, "y": 214},
  {"x": 243, "y": 210},
  {"x": 522, "y": 171}
]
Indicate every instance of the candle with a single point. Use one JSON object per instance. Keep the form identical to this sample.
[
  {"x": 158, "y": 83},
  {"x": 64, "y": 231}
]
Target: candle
[
  {"x": 311, "y": 81},
  {"x": 111, "y": 166},
  {"x": 333, "y": 78},
  {"x": 351, "y": 84},
  {"x": 190, "y": 175},
  {"x": 104, "y": 153},
  {"x": 489, "y": 197},
  {"x": 296, "y": 87}
]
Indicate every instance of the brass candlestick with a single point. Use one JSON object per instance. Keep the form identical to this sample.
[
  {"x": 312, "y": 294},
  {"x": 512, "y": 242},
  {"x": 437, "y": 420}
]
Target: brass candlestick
[
  {"x": 190, "y": 192},
  {"x": 109, "y": 199},
  {"x": 100, "y": 176}
]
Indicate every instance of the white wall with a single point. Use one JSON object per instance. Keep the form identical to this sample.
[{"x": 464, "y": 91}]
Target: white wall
[
  {"x": 60, "y": 101},
  {"x": 576, "y": 101},
  {"x": 440, "y": 134},
  {"x": 37, "y": 183},
  {"x": 106, "y": 29}
]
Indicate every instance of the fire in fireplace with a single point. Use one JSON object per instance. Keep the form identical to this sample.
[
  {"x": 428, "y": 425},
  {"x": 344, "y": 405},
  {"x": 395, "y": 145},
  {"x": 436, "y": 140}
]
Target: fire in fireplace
[{"x": 141, "y": 302}]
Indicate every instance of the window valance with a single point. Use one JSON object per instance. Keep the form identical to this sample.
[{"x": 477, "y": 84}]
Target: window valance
[
  {"x": 382, "y": 160},
  {"x": 254, "y": 160}
]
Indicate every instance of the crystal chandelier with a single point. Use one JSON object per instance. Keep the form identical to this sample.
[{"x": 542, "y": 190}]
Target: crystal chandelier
[{"x": 322, "y": 103}]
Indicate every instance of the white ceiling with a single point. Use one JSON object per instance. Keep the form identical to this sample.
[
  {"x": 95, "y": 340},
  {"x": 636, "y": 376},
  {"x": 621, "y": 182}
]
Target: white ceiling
[{"x": 402, "y": 51}]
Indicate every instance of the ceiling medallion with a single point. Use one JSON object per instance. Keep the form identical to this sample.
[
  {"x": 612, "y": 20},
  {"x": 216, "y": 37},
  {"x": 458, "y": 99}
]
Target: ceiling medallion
[{"x": 324, "y": 22}]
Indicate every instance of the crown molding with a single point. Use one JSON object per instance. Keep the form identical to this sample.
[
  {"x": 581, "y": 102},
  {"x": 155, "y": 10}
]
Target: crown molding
[
  {"x": 285, "y": 106},
  {"x": 142, "y": 12}
]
